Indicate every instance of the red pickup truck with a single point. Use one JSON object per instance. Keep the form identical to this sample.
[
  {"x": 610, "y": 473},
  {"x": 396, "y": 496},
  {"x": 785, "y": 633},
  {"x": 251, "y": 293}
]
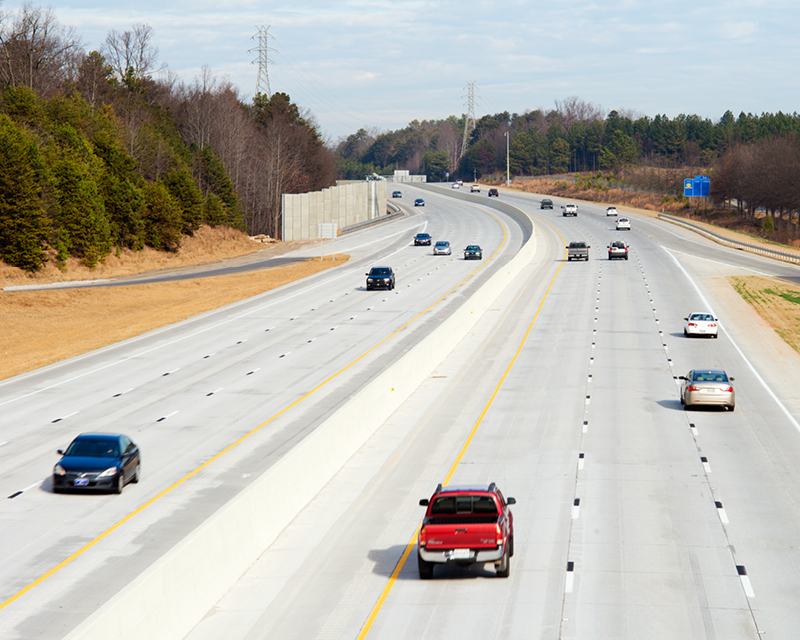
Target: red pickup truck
[{"x": 464, "y": 525}]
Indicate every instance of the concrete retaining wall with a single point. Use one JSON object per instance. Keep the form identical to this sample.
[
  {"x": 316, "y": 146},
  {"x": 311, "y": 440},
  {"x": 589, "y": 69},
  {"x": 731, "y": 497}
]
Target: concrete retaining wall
[
  {"x": 172, "y": 596},
  {"x": 344, "y": 205}
]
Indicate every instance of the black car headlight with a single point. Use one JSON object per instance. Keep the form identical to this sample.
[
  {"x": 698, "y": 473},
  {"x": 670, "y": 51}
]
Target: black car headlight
[
  {"x": 59, "y": 470},
  {"x": 111, "y": 471}
]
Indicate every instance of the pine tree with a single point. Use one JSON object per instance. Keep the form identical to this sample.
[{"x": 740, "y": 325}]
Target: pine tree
[{"x": 23, "y": 224}]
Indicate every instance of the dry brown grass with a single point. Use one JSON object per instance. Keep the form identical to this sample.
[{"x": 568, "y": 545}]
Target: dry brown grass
[
  {"x": 777, "y": 303},
  {"x": 42, "y": 327},
  {"x": 207, "y": 245}
]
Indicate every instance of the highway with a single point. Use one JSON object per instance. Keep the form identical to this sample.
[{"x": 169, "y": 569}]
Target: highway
[
  {"x": 633, "y": 519},
  {"x": 271, "y": 368}
]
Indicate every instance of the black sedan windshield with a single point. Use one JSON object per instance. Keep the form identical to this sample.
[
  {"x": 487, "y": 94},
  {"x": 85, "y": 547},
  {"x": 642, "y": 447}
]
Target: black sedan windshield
[
  {"x": 380, "y": 271},
  {"x": 93, "y": 448}
]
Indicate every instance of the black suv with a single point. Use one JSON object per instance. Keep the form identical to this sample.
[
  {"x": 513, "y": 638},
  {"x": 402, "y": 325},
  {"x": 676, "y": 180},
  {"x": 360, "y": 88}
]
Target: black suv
[
  {"x": 380, "y": 278},
  {"x": 546, "y": 203},
  {"x": 493, "y": 192},
  {"x": 422, "y": 238}
]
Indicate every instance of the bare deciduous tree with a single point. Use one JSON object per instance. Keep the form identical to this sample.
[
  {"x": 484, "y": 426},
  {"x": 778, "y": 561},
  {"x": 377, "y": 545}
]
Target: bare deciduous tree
[
  {"x": 37, "y": 52},
  {"x": 132, "y": 52}
]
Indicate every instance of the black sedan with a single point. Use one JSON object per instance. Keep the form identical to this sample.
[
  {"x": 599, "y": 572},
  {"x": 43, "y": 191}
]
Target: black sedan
[
  {"x": 473, "y": 252},
  {"x": 419, "y": 202},
  {"x": 422, "y": 239},
  {"x": 380, "y": 278},
  {"x": 93, "y": 461}
]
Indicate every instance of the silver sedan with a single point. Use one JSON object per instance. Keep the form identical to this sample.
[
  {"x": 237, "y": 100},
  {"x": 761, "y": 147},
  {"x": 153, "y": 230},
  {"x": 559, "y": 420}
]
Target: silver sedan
[{"x": 708, "y": 387}]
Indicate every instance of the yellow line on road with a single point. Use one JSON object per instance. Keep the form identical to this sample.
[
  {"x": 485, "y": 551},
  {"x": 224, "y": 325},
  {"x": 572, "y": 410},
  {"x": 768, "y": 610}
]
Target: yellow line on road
[
  {"x": 235, "y": 444},
  {"x": 410, "y": 546}
]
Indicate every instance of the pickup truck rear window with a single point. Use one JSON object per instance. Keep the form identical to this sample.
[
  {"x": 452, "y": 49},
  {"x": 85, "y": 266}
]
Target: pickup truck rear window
[{"x": 451, "y": 505}]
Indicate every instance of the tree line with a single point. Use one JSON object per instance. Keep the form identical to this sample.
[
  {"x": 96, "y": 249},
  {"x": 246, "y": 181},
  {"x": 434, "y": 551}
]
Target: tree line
[
  {"x": 98, "y": 154},
  {"x": 575, "y": 136}
]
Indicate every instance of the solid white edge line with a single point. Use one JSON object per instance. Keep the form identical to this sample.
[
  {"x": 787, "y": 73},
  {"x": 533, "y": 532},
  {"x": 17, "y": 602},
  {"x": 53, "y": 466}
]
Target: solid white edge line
[{"x": 736, "y": 346}]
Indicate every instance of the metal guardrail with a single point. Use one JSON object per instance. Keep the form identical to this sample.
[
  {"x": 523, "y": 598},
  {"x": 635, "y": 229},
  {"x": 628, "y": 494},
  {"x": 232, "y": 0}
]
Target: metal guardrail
[
  {"x": 396, "y": 213},
  {"x": 743, "y": 246}
]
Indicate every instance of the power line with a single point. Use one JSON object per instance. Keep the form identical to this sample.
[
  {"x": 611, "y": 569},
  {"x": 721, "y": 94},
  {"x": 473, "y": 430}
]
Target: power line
[
  {"x": 262, "y": 81},
  {"x": 469, "y": 121}
]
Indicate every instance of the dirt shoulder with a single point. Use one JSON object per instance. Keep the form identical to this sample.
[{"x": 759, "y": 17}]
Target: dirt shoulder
[{"x": 42, "y": 327}]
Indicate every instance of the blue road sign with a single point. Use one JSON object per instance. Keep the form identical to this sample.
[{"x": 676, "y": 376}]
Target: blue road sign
[{"x": 698, "y": 186}]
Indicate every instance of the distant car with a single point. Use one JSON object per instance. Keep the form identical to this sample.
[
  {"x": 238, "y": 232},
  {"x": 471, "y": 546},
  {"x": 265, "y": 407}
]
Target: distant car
[
  {"x": 455, "y": 186},
  {"x": 460, "y": 183},
  {"x": 380, "y": 278},
  {"x": 97, "y": 461},
  {"x": 441, "y": 248},
  {"x": 623, "y": 224},
  {"x": 419, "y": 202},
  {"x": 618, "y": 249},
  {"x": 422, "y": 239},
  {"x": 708, "y": 387},
  {"x": 397, "y": 194},
  {"x": 494, "y": 192},
  {"x": 546, "y": 203},
  {"x": 473, "y": 252},
  {"x": 570, "y": 210},
  {"x": 578, "y": 251},
  {"x": 475, "y": 188},
  {"x": 611, "y": 211},
  {"x": 701, "y": 324}
]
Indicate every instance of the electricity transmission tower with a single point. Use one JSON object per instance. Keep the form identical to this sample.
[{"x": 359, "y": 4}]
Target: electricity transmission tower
[
  {"x": 262, "y": 81},
  {"x": 469, "y": 122}
]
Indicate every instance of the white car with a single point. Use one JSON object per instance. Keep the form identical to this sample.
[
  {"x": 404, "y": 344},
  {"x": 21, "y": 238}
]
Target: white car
[
  {"x": 623, "y": 223},
  {"x": 701, "y": 324},
  {"x": 456, "y": 186},
  {"x": 441, "y": 248},
  {"x": 611, "y": 211},
  {"x": 475, "y": 188}
]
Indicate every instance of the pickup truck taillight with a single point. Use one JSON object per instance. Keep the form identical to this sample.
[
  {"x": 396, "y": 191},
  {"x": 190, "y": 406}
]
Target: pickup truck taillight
[
  {"x": 423, "y": 537},
  {"x": 499, "y": 533}
]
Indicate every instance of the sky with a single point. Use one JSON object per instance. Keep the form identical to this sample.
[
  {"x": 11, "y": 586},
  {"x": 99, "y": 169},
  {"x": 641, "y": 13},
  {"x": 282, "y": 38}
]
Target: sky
[{"x": 381, "y": 64}]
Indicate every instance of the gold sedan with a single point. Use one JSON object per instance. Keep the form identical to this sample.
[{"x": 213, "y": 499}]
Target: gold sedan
[{"x": 708, "y": 387}]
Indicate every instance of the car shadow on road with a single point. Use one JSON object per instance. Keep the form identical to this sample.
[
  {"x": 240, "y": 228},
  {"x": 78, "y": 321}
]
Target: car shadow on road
[
  {"x": 671, "y": 404},
  {"x": 386, "y": 562}
]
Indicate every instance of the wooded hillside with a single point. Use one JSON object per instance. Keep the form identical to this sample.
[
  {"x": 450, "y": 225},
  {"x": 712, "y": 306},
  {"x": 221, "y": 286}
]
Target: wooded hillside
[{"x": 97, "y": 154}]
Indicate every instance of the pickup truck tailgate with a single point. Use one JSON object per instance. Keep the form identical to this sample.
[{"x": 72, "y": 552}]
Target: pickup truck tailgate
[{"x": 478, "y": 532}]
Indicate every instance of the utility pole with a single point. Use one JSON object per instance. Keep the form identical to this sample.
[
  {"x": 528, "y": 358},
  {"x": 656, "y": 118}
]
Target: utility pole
[
  {"x": 469, "y": 122},
  {"x": 262, "y": 81},
  {"x": 508, "y": 164}
]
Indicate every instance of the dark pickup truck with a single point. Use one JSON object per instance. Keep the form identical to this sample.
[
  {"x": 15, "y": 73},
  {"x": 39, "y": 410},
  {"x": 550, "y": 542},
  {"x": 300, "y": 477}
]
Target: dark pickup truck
[
  {"x": 577, "y": 251},
  {"x": 466, "y": 525}
]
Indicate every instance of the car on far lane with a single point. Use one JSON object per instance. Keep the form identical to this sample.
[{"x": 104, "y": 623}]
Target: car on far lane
[
  {"x": 380, "y": 278},
  {"x": 97, "y": 461},
  {"x": 473, "y": 252},
  {"x": 419, "y": 202},
  {"x": 623, "y": 224},
  {"x": 710, "y": 387},
  {"x": 611, "y": 211},
  {"x": 618, "y": 249},
  {"x": 475, "y": 188},
  {"x": 441, "y": 248},
  {"x": 422, "y": 239},
  {"x": 701, "y": 324},
  {"x": 494, "y": 192},
  {"x": 546, "y": 203},
  {"x": 455, "y": 186},
  {"x": 397, "y": 194}
]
